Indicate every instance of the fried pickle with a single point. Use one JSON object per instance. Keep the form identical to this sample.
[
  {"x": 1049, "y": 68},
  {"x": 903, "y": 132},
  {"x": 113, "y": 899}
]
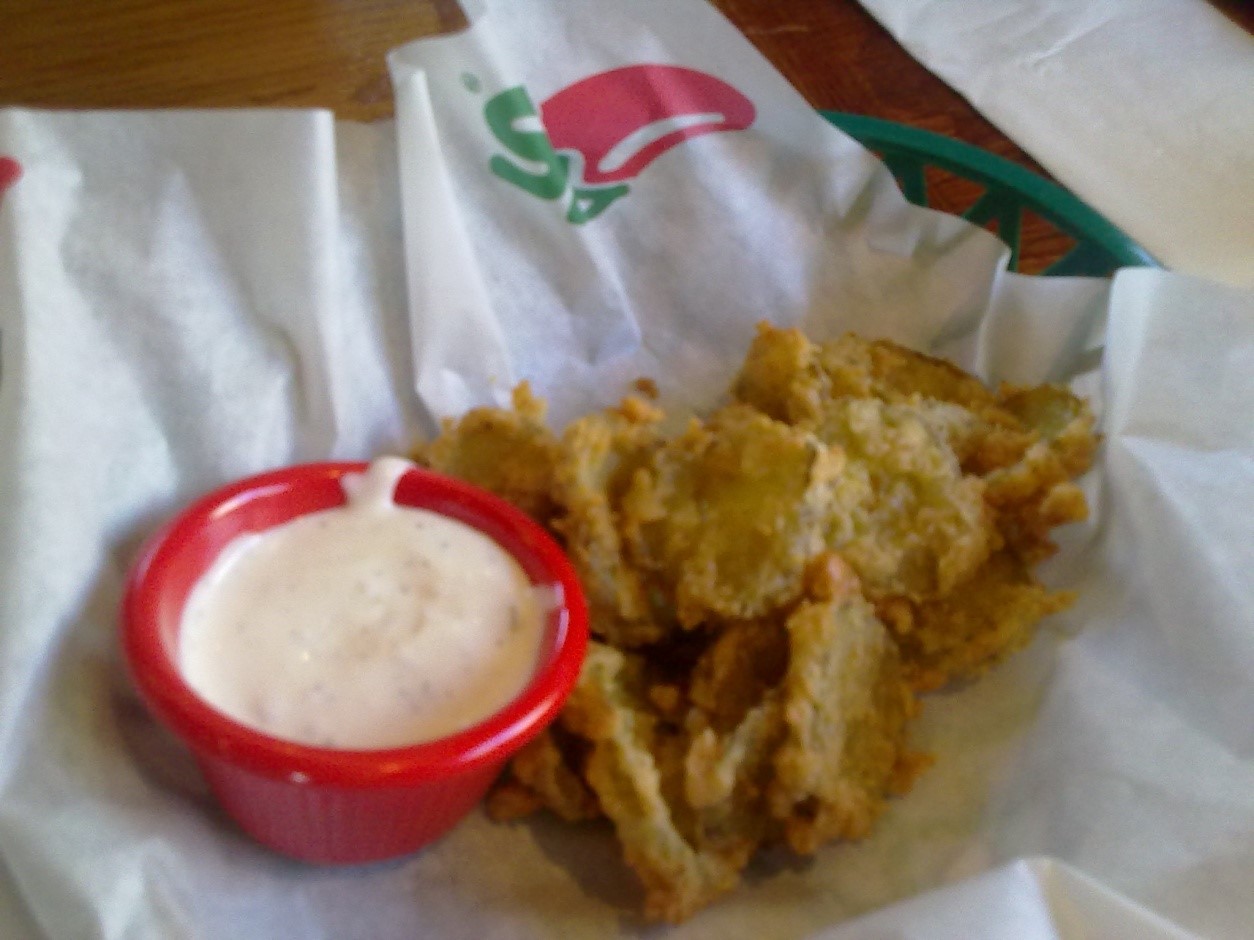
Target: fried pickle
[
  {"x": 728, "y": 513},
  {"x": 772, "y": 586},
  {"x": 596, "y": 459},
  {"x": 508, "y": 451},
  {"x": 845, "y": 708},
  {"x": 627, "y": 770},
  {"x": 984, "y": 620},
  {"x": 918, "y": 525},
  {"x": 960, "y": 473}
]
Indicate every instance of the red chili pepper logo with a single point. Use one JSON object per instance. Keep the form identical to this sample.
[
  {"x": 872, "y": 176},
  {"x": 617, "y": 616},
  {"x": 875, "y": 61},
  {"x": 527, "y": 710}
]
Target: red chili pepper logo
[
  {"x": 10, "y": 172},
  {"x": 603, "y": 130},
  {"x": 622, "y": 120}
]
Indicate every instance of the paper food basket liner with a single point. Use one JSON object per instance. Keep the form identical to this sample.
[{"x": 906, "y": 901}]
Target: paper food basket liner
[{"x": 578, "y": 195}]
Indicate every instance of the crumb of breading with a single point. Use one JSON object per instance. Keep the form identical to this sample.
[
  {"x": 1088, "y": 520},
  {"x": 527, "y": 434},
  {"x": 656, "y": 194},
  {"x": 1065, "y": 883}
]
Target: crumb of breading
[{"x": 646, "y": 387}]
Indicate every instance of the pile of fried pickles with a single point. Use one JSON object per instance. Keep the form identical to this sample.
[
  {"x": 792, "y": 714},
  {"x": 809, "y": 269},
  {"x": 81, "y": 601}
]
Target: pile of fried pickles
[{"x": 772, "y": 586}]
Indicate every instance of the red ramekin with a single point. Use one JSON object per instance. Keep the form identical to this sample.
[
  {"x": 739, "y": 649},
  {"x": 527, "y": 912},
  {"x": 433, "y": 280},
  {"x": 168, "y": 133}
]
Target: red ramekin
[{"x": 326, "y": 805}]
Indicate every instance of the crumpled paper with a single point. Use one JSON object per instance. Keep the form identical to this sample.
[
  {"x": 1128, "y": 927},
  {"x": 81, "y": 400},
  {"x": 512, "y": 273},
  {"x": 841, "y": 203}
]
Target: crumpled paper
[
  {"x": 189, "y": 297},
  {"x": 1143, "y": 109}
]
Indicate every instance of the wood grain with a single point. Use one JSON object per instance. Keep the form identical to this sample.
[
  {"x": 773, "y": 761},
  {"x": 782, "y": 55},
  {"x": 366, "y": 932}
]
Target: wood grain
[
  {"x": 330, "y": 53},
  {"x": 210, "y": 53}
]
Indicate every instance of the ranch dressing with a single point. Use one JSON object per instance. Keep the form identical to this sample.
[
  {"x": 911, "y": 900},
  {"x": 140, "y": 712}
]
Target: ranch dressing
[{"x": 365, "y": 626}]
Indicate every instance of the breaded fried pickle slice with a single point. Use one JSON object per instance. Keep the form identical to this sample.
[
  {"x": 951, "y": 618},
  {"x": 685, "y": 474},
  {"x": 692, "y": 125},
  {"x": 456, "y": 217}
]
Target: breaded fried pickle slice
[
  {"x": 845, "y": 711},
  {"x": 789, "y": 377},
  {"x": 909, "y": 521},
  {"x": 770, "y": 587},
  {"x": 975, "y": 626},
  {"x": 727, "y": 777},
  {"x": 952, "y": 473},
  {"x": 626, "y": 771},
  {"x": 510, "y": 452},
  {"x": 728, "y": 513},
  {"x": 596, "y": 458},
  {"x": 734, "y": 672},
  {"x": 1035, "y": 493},
  {"x": 782, "y": 376},
  {"x": 918, "y": 525}
]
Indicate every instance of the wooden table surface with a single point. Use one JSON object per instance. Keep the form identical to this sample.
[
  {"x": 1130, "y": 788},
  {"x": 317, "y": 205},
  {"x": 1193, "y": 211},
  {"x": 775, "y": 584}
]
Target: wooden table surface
[{"x": 330, "y": 53}]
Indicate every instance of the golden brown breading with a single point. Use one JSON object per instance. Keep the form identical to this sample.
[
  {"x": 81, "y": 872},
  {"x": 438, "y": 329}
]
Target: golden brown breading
[
  {"x": 782, "y": 376},
  {"x": 727, "y": 777},
  {"x": 1060, "y": 419},
  {"x": 540, "y": 776},
  {"x": 912, "y": 524},
  {"x": 1035, "y": 493},
  {"x": 790, "y": 378},
  {"x": 769, "y": 588},
  {"x": 733, "y": 674},
  {"x": 845, "y": 708},
  {"x": 808, "y": 754},
  {"x": 596, "y": 459},
  {"x": 728, "y": 513},
  {"x": 980, "y": 623},
  {"x": 627, "y": 771},
  {"x": 909, "y": 520},
  {"x": 905, "y": 374},
  {"x": 994, "y": 470},
  {"x": 510, "y": 452}
]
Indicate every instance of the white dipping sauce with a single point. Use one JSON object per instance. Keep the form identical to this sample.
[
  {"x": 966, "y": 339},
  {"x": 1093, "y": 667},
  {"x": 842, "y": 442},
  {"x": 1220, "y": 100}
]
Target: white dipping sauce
[{"x": 366, "y": 626}]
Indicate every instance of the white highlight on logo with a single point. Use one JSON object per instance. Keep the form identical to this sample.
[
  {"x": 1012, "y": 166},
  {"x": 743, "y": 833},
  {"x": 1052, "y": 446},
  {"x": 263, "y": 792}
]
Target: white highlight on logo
[{"x": 637, "y": 140}]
